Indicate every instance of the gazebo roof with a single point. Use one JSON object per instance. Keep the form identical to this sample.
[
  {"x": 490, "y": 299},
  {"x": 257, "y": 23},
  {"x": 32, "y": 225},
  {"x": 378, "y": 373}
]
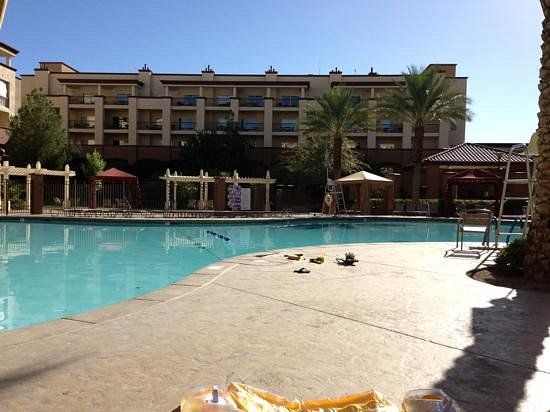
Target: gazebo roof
[
  {"x": 115, "y": 174},
  {"x": 363, "y": 176},
  {"x": 472, "y": 154}
]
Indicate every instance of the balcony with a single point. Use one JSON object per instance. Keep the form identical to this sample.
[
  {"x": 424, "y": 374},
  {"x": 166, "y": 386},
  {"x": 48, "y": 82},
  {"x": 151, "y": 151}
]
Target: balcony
[
  {"x": 286, "y": 128},
  {"x": 184, "y": 101},
  {"x": 245, "y": 126},
  {"x": 119, "y": 124},
  {"x": 389, "y": 127},
  {"x": 430, "y": 128},
  {"x": 183, "y": 126},
  {"x": 84, "y": 99},
  {"x": 4, "y": 101},
  {"x": 218, "y": 102},
  {"x": 149, "y": 126},
  {"x": 252, "y": 101},
  {"x": 81, "y": 124},
  {"x": 287, "y": 101},
  {"x": 121, "y": 99}
]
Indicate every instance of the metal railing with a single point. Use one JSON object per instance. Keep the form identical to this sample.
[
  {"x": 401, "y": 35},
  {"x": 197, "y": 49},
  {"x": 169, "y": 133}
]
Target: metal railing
[
  {"x": 251, "y": 102},
  {"x": 82, "y": 124},
  {"x": 215, "y": 126},
  {"x": 285, "y": 127},
  {"x": 250, "y": 127},
  {"x": 116, "y": 124},
  {"x": 389, "y": 128},
  {"x": 149, "y": 126},
  {"x": 121, "y": 99},
  {"x": 4, "y": 101},
  {"x": 84, "y": 99},
  {"x": 184, "y": 101},
  {"x": 183, "y": 126},
  {"x": 292, "y": 101},
  {"x": 218, "y": 102}
]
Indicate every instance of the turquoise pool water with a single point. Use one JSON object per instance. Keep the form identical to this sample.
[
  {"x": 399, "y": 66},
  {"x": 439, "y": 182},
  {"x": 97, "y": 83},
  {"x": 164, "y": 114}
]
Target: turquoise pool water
[{"x": 51, "y": 270}]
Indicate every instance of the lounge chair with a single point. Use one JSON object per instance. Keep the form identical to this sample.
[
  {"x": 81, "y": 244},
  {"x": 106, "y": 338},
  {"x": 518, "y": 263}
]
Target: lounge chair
[{"x": 473, "y": 221}]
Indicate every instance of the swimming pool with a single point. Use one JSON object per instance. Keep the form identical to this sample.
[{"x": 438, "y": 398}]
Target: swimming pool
[{"x": 52, "y": 270}]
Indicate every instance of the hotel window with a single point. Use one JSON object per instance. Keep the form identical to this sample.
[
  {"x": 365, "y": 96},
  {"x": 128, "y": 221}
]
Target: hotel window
[
  {"x": 223, "y": 100},
  {"x": 255, "y": 101},
  {"x": 389, "y": 126},
  {"x": 289, "y": 101},
  {"x": 188, "y": 100},
  {"x": 4, "y": 95},
  {"x": 249, "y": 124},
  {"x": 186, "y": 123},
  {"x": 122, "y": 98},
  {"x": 288, "y": 125}
]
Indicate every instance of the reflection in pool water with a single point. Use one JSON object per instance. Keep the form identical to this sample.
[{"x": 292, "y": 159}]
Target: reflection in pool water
[{"x": 51, "y": 270}]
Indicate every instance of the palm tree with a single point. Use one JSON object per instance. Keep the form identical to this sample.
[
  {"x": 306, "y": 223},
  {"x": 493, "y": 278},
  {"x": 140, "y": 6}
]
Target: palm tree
[
  {"x": 335, "y": 115},
  {"x": 537, "y": 259},
  {"x": 425, "y": 97}
]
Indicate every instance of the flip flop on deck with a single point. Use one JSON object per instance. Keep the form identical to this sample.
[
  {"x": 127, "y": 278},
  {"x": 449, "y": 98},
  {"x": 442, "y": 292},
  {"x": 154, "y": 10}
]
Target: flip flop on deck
[{"x": 302, "y": 270}]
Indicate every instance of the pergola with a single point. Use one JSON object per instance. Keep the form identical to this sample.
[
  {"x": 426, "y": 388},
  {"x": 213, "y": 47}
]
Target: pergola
[
  {"x": 6, "y": 171},
  {"x": 203, "y": 180}
]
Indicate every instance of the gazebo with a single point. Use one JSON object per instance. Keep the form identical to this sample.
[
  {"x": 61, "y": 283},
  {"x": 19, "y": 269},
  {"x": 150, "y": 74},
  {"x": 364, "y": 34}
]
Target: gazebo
[
  {"x": 362, "y": 184},
  {"x": 469, "y": 177},
  {"x": 115, "y": 184}
]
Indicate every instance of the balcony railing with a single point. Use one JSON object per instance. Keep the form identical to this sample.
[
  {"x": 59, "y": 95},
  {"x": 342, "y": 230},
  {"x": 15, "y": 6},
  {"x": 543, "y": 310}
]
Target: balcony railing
[
  {"x": 184, "y": 101},
  {"x": 82, "y": 124},
  {"x": 149, "y": 126},
  {"x": 390, "y": 128},
  {"x": 121, "y": 99},
  {"x": 290, "y": 101},
  {"x": 218, "y": 102},
  {"x": 251, "y": 102},
  {"x": 430, "y": 128},
  {"x": 250, "y": 127},
  {"x": 285, "y": 127},
  {"x": 4, "y": 101},
  {"x": 183, "y": 126},
  {"x": 116, "y": 124},
  {"x": 215, "y": 126},
  {"x": 84, "y": 99}
]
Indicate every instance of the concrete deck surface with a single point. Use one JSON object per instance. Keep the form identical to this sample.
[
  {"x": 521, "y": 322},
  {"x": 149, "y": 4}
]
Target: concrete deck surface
[{"x": 403, "y": 318}]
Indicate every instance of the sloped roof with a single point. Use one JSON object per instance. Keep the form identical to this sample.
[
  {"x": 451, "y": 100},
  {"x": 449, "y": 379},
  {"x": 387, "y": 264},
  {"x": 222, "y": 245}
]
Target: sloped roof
[
  {"x": 474, "y": 176},
  {"x": 471, "y": 153},
  {"x": 114, "y": 173},
  {"x": 363, "y": 176}
]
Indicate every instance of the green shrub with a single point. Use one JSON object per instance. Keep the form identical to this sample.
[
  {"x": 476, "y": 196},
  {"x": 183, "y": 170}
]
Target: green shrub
[{"x": 511, "y": 257}]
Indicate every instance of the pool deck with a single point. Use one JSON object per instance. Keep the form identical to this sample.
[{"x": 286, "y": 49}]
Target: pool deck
[{"x": 404, "y": 317}]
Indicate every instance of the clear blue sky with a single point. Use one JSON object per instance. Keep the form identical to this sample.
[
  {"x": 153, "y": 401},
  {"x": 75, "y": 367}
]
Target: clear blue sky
[{"x": 496, "y": 43}]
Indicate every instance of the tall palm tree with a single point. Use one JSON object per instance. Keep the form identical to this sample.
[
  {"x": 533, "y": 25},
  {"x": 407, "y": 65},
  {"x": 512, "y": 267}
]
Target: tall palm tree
[
  {"x": 425, "y": 97},
  {"x": 537, "y": 260},
  {"x": 335, "y": 115}
]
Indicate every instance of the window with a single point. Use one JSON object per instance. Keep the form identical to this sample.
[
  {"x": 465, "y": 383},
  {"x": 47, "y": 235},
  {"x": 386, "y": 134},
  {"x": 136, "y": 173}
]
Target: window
[
  {"x": 289, "y": 101},
  {"x": 86, "y": 122},
  {"x": 453, "y": 126},
  {"x": 186, "y": 123},
  {"x": 389, "y": 126},
  {"x": 386, "y": 145},
  {"x": 4, "y": 93},
  {"x": 255, "y": 101},
  {"x": 188, "y": 100},
  {"x": 249, "y": 124},
  {"x": 223, "y": 101},
  {"x": 355, "y": 99},
  {"x": 288, "y": 125},
  {"x": 88, "y": 99},
  {"x": 222, "y": 122},
  {"x": 122, "y": 98}
]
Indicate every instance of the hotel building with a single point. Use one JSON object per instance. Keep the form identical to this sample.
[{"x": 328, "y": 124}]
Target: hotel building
[
  {"x": 9, "y": 89},
  {"x": 162, "y": 110}
]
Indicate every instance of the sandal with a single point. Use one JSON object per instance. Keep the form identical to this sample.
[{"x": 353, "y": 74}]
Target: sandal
[{"x": 302, "y": 270}]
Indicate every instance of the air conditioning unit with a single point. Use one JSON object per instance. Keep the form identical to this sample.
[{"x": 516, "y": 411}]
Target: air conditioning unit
[{"x": 91, "y": 142}]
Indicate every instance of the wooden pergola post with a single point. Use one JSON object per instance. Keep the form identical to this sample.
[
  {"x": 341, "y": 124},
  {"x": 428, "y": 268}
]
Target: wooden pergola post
[
  {"x": 167, "y": 196},
  {"x": 66, "y": 186},
  {"x": 175, "y": 194},
  {"x": 267, "y": 185},
  {"x": 28, "y": 190}
]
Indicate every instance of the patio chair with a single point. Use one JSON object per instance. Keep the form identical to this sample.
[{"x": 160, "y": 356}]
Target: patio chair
[{"x": 474, "y": 221}]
